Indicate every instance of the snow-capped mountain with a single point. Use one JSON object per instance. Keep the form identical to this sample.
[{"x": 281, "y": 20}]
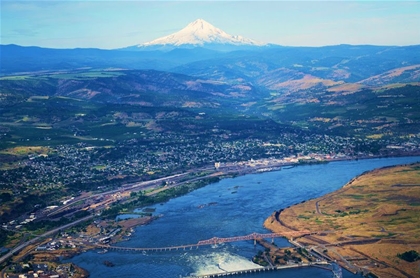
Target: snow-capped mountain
[{"x": 199, "y": 33}]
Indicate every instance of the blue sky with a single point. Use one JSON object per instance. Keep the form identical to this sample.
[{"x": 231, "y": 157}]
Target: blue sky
[{"x": 115, "y": 24}]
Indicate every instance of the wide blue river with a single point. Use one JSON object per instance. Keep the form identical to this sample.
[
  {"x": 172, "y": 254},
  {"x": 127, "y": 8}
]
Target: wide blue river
[{"x": 231, "y": 207}]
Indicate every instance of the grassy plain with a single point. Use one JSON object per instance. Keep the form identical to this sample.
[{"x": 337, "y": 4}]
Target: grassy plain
[
  {"x": 365, "y": 224},
  {"x": 9, "y": 158}
]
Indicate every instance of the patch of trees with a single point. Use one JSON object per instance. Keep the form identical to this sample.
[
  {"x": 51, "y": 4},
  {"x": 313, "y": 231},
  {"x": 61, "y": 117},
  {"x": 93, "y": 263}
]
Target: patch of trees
[
  {"x": 3, "y": 237},
  {"x": 259, "y": 259},
  {"x": 5, "y": 197},
  {"x": 28, "y": 203},
  {"x": 46, "y": 224},
  {"x": 409, "y": 256},
  {"x": 162, "y": 196}
]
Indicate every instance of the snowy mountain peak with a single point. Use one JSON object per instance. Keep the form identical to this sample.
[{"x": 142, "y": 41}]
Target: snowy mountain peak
[
  {"x": 200, "y": 24},
  {"x": 198, "y": 33}
]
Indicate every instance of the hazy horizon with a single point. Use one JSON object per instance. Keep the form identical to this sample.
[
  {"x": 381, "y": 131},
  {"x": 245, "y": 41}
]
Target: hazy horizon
[{"x": 117, "y": 24}]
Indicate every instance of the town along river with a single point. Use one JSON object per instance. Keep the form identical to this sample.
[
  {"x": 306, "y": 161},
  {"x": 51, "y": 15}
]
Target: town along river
[{"x": 231, "y": 207}]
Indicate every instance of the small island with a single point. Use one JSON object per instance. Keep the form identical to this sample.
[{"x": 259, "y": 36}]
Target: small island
[{"x": 370, "y": 226}]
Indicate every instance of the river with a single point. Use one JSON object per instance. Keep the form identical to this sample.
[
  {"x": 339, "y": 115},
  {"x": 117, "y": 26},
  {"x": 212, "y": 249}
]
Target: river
[{"x": 232, "y": 207}]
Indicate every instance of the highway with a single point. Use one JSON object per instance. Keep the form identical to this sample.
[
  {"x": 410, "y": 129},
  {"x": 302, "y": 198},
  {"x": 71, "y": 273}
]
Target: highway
[
  {"x": 125, "y": 188},
  {"x": 120, "y": 189},
  {"x": 130, "y": 187},
  {"x": 46, "y": 234}
]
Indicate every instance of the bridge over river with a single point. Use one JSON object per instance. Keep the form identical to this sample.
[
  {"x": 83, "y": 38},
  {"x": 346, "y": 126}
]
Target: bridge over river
[
  {"x": 217, "y": 240},
  {"x": 211, "y": 241}
]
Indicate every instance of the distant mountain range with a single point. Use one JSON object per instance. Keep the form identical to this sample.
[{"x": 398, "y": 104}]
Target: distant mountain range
[{"x": 203, "y": 51}]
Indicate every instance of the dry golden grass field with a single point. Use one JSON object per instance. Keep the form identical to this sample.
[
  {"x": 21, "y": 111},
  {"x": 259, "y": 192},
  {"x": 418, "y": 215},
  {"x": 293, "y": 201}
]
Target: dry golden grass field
[{"x": 365, "y": 224}]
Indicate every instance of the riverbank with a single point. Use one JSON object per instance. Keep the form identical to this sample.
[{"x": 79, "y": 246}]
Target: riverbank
[
  {"x": 52, "y": 251},
  {"x": 185, "y": 220},
  {"x": 235, "y": 191},
  {"x": 365, "y": 224}
]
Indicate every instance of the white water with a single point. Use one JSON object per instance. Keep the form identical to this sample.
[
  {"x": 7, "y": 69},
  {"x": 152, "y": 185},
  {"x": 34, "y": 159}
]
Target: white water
[{"x": 219, "y": 262}]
